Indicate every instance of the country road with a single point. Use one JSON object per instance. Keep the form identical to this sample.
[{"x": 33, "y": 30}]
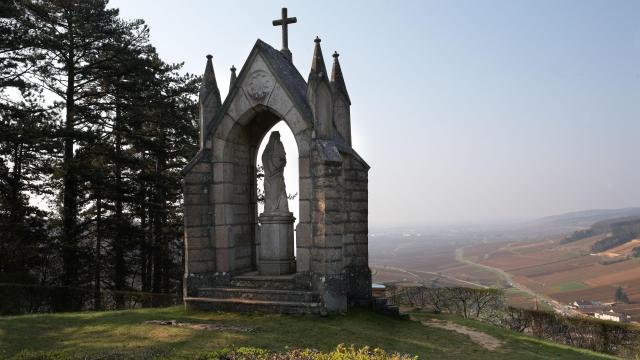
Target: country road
[
  {"x": 557, "y": 306},
  {"x": 459, "y": 256}
]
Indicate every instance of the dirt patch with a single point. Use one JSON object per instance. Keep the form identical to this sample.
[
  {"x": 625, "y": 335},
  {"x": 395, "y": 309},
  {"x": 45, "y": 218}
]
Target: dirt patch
[
  {"x": 478, "y": 337},
  {"x": 200, "y": 326}
]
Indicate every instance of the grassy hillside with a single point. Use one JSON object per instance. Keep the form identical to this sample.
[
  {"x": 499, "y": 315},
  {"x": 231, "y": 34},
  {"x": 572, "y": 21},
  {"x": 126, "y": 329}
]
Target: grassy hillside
[{"x": 125, "y": 333}]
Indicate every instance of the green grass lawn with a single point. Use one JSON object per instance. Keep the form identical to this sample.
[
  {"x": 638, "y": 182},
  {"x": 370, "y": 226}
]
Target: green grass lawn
[{"x": 73, "y": 335}]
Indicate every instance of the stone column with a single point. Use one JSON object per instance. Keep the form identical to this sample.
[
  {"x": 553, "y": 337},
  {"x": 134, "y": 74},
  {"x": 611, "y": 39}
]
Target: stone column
[{"x": 276, "y": 244}]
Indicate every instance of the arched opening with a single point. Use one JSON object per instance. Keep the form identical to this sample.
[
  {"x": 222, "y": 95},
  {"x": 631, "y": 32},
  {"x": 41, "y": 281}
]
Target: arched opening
[
  {"x": 291, "y": 173},
  {"x": 238, "y": 148}
]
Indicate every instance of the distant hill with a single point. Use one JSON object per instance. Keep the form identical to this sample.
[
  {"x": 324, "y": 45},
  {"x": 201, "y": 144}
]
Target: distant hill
[
  {"x": 617, "y": 225},
  {"x": 621, "y": 233},
  {"x": 620, "y": 230},
  {"x": 587, "y": 218},
  {"x": 570, "y": 222}
]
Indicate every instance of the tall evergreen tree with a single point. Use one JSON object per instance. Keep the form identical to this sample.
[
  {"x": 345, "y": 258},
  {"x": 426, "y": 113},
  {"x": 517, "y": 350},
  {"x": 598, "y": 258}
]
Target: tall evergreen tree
[
  {"x": 73, "y": 42},
  {"x": 25, "y": 154},
  {"x": 166, "y": 136},
  {"x": 621, "y": 296},
  {"x": 111, "y": 149}
]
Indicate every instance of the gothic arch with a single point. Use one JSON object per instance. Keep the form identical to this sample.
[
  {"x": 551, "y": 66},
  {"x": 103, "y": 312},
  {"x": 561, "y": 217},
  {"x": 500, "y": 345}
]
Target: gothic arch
[{"x": 235, "y": 149}]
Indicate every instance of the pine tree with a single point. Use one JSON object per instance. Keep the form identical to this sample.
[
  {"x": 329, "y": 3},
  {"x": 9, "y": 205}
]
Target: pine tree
[
  {"x": 73, "y": 42},
  {"x": 25, "y": 153},
  {"x": 621, "y": 296},
  {"x": 167, "y": 141},
  {"x": 111, "y": 148}
]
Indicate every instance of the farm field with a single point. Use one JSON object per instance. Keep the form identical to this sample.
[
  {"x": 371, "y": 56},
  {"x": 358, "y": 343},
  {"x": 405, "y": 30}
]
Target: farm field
[
  {"x": 534, "y": 266},
  {"x": 562, "y": 272},
  {"x": 429, "y": 266},
  {"x": 568, "y": 272},
  {"x": 438, "y": 267}
]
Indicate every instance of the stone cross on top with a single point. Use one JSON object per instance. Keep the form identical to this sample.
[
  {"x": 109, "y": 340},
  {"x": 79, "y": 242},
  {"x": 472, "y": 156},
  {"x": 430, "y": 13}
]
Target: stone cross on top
[{"x": 284, "y": 22}]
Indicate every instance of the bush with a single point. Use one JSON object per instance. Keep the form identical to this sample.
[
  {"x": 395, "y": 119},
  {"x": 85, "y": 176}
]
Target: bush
[
  {"x": 341, "y": 352},
  {"x": 466, "y": 302},
  {"x": 587, "y": 333}
]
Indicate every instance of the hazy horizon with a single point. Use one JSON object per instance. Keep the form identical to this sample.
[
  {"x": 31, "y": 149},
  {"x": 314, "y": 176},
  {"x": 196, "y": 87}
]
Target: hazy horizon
[{"x": 467, "y": 111}]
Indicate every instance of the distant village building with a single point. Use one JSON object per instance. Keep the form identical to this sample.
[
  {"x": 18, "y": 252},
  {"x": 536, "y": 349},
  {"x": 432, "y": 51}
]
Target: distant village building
[
  {"x": 612, "y": 316},
  {"x": 378, "y": 290},
  {"x": 586, "y": 305}
]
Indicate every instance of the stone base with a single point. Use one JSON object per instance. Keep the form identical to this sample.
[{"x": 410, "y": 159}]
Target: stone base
[
  {"x": 277, "y": 267},
  {"x": 243, "y": 305},
  {"x": 276, "y": 244},
  {"x": 251, "y": 292}
]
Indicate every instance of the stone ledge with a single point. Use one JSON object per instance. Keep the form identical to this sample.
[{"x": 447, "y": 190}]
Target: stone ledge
[
  {"x": 256, "y": 302},
  {"x": 234, "y": 304}
]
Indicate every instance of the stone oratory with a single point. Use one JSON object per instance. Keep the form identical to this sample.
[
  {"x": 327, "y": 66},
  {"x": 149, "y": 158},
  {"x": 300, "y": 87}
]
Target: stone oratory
[{"x": 239, "y": 260}]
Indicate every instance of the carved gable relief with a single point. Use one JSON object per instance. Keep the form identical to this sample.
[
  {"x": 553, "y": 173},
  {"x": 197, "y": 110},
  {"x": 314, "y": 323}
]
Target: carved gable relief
[
  {"x": 259, "y": 85},
  {"x": 259, "y": 82}
]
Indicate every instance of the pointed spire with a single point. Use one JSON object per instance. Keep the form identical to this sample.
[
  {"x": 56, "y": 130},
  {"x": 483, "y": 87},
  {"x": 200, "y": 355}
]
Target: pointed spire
[
  {"x": 233, "y": 77},
  {"x": 209, "y": 84},
  {"x": 319, "y": 95},
  {"x": 337, "y": 80},
  {"x": 210, "y": 101},
  {"x": 341, "y": 101},
  {"x": 318, "y": 69}
]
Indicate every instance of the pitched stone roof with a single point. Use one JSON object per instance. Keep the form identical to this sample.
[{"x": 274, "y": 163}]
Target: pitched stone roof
[
  {"x": 292, "y": 82},
  {"x": 291, "y": 79}
]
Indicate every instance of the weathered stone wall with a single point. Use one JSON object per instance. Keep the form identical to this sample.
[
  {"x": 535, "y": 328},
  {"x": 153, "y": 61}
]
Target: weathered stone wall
[
  {"x": 198, "y": 221},
  {"x": 356, "y": 240},
  {"x": 328, "y": 225},
  {"x": 304, "y": 236},
  {"x": 234, "y": 221}
]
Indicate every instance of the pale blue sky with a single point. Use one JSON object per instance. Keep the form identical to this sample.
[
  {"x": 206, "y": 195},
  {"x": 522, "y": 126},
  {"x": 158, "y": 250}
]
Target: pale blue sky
[{"x": 466, "y": 110}]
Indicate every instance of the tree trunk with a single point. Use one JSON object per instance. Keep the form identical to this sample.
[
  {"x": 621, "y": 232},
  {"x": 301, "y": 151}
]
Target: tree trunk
[
  {"x": 149, "y": 245},
  {"x": 69, "y": 207},
  {"x": 97, "y": 292},
  {"x": 144, "y": 254},
  {"x": 160, "y": 248},
  {"x": 157, "y": 250},
  {"x": 120, "y": 270},
  {"x": 11, "y": 261}
]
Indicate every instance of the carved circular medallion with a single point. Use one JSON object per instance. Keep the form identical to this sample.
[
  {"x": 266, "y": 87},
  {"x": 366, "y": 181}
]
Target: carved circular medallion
[{"x": 259, "y": 85}]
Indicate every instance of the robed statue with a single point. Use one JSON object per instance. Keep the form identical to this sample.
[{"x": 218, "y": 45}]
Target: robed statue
[{"x": 274, "y": 160}]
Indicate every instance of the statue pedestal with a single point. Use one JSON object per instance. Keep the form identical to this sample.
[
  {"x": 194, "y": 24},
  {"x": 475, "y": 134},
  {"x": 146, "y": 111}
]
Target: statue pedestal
[{"x": 276, "y": 244}]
